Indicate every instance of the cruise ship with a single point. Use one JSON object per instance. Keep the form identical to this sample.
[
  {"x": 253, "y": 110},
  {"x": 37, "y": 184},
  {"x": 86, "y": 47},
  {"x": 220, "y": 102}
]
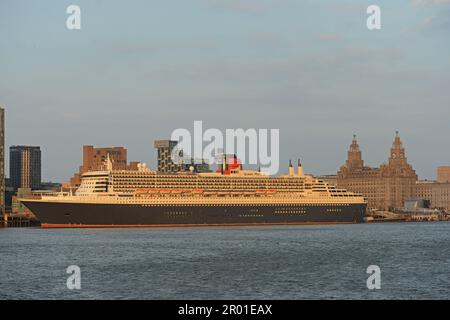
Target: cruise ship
[{"x": 230, "y": 196}]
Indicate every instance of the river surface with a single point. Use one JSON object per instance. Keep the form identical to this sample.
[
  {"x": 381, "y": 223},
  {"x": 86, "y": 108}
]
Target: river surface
[{"x": 279, "y": 262}]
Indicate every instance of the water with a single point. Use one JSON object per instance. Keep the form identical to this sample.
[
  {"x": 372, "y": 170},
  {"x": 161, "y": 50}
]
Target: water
[{"x": 287, "y": 262}]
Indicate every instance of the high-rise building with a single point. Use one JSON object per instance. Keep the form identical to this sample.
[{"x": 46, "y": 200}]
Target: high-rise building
[
  {"x": 165, "y": 161},
  {"x": 387, "y": 186},
  {"x": 166, "y": 149},
  {"x": 94, "y": 159},
  {"x": 25, "y": 167},
  {"x": 2, "y": 160}
]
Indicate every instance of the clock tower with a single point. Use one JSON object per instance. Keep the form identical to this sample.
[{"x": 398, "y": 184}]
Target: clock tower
[
  {"x": 399, "y": 176},
  {"x": 398, "y": 156},
  {"x": 354, "y": 156}
]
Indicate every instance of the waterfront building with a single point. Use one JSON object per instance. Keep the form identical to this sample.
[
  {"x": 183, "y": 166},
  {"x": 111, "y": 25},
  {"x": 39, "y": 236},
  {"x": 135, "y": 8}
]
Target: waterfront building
[
  {"x": 166, "y": 164},
  {"x": 94, "y": 159},
  {"x": 436, "y": 192},
  {"x": 385, "y": 187},
  {"x": 25, "y": 167},
  {"x": 443, "y": 174}
]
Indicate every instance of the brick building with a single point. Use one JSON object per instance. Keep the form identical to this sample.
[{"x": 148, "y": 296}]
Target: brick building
[
  {"x": 443, "y": 174},
  {"x": 94, "y": 159}
]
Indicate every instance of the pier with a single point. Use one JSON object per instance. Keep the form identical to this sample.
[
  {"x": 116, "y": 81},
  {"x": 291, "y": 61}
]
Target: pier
[
  {"x": 18, "y": 221},
  {"x": 388, "y": 216}
]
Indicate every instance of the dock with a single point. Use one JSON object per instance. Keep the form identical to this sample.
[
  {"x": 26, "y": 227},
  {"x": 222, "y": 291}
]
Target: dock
[
  {"x": 18, "y": 221},
  {"x": 387, "y": 216}
]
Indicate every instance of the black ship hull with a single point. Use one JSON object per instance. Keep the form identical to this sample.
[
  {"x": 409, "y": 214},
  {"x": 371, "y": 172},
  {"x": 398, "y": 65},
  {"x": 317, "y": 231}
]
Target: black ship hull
[{"x": 88, "y": 215}]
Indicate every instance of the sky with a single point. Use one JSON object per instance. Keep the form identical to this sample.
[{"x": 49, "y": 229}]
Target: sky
[{"x": 137, "y": 70}]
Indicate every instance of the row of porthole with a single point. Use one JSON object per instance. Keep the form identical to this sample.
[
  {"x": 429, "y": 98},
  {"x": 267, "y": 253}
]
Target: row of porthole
[
  {"x": 290, "y": 212},
  {"x": 212, "y": 182},
  {"x": 177, "y": 213},
  {"x": 224, "y": 204},
  {"x": 250, "y": 215}
]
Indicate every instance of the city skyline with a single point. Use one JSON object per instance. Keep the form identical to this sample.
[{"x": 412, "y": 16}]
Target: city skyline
[
  {"x": 133, "y": 74},
  {"x": 283, "y": 168}
]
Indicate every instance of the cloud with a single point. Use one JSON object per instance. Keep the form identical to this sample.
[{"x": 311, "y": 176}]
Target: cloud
[
  {"x": 330, "y": 37},
  {"x": 253, "y": 7},
  {"x": 169, "y": 45},
  {"x": 266, "y": 39},
  {"x": 430, "y": 2}
]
